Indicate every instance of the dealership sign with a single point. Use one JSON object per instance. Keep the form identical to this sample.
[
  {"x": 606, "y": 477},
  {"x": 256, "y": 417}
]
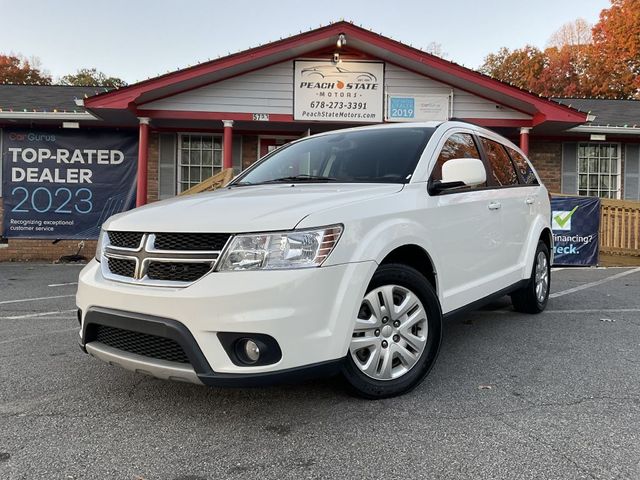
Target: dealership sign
[
  {"x": 338, "y": 92},
  {"x": 62, "y": 184},
  {"x": 575, "y": 222},
  {"x": 417, "y": 108}
]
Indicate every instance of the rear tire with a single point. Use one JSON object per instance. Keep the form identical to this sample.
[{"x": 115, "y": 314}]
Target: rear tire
[
  {"x": 533, "y": 297},
  {"x": 393, "y": 348}
]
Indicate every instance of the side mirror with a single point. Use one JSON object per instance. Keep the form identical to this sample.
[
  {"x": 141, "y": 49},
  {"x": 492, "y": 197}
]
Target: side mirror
[{"x": 460, "y": 172}]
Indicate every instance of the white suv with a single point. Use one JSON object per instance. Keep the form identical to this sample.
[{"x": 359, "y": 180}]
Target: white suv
[{"x": 337, "y": 253}]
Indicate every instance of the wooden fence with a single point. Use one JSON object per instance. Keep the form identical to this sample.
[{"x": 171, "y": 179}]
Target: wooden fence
[
  {"x": 620, "y": 227},
  {"x": 219, "y": 180}
]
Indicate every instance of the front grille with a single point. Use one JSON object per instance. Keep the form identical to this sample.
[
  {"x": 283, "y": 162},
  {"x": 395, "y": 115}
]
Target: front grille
[
  {"x": 177, "y": 271},
  {"x": 140, "y": 343},
  {"x": 191, "y": 241},
  {"x": 161, "y": 259},
  {"x": 122, "y": 266},
  {"x": 125, "y": 239}
]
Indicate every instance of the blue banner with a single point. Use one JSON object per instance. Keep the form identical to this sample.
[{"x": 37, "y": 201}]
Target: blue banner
[
  {"x": 63, "y": 184},
  {"x": 575, "y": 222}
]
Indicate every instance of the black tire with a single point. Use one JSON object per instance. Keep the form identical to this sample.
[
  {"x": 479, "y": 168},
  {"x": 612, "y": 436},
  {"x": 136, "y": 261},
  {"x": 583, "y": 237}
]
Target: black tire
[
  {"x": 526, "y": 299},
  {"x": 362, "y": 385}
]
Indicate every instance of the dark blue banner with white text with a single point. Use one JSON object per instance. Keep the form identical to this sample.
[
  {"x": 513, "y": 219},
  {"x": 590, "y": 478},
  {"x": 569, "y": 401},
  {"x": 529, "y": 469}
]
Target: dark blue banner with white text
[
  {"x": 63, "y": 184},
  {"x": 575, "y": 222}
]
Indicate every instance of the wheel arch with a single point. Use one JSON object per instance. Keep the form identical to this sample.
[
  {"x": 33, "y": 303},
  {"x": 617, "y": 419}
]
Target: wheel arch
[
  {"x": 540, "y": 231},
  {"x": 547, "y": 237},
  {"x": 416, "y": 257}
]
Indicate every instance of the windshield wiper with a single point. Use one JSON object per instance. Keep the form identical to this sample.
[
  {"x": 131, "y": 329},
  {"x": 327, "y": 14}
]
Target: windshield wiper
[
  {"x": 240, "y": 184},
  {"x": 300, "y": 178}
]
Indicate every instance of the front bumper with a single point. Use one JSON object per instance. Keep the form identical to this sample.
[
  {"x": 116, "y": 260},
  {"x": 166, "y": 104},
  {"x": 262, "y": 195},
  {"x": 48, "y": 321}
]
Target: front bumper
[{"x": 309, "y": 312}]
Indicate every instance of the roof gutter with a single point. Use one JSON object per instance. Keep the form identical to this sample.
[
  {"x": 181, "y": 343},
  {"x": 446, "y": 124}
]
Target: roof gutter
[
  {"x": 618, "y": 130},
  {"x": 85, "y": 116}
]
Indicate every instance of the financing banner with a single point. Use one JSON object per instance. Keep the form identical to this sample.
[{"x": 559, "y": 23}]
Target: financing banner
[
  {"x": 61, "y": 184},
  {"x": 338, "y": 92},
  {"x": 575, "y": 222}
]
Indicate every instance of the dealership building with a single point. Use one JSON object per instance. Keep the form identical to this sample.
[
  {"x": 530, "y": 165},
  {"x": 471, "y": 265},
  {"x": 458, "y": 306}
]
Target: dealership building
[{"x": 72, "y": 156}]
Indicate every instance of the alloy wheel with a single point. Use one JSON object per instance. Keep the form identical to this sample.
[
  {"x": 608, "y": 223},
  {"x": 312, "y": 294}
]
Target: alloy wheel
[
  {"x": 390, "y": 334},
  {"x": 542, "y": 277}
]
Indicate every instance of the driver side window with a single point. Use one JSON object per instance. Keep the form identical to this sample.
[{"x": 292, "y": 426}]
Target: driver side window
[{"x": 458, "y": 145}]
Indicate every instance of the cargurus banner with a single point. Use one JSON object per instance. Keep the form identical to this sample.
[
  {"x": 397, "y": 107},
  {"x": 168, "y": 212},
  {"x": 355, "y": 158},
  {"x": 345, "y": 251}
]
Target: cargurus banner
[
  {"x": 62, "y": 184},
  {"x": 575, "y": 222}
]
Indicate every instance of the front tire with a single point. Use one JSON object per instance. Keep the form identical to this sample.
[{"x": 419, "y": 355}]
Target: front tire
[
  {"x": 397, "y": 334},
  {"x": 533, "y": 297}
]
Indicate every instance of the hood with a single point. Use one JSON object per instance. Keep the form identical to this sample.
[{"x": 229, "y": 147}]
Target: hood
[{"x": 245, "y": 209}]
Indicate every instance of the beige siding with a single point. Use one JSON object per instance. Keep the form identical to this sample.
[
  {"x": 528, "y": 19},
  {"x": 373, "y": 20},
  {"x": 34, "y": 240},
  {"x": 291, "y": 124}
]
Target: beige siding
[
  {"x": 270, "y": 90},
  {"x": 465, "y": 105}
]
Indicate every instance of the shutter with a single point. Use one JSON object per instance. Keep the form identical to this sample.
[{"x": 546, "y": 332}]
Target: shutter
[
  {"x": 167, "y": 169},
  {"x": 570, "y": 168},
  {"x": 237, "y": 154},
  {"x": 631, "y": 185}
]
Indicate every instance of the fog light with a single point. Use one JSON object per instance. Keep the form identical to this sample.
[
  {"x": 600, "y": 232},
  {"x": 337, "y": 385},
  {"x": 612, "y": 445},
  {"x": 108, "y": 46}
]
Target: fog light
[{"x": 251, "y": 351}]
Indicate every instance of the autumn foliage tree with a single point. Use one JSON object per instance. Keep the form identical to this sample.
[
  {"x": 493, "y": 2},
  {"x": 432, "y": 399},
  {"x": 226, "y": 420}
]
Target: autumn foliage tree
[
  {"x": 90, "y": 77},
  {"x": 522, "y": 67},
  {"x": 580, "y": 61},
  {"x": 616, "y": 50},
  {"x": 20, "y": 70}
]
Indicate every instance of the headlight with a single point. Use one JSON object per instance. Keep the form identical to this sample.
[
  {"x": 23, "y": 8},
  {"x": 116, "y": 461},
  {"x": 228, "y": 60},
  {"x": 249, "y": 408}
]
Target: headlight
[
  {"x": 102, "y": 239},
  {"x": 281, "y": 250}
]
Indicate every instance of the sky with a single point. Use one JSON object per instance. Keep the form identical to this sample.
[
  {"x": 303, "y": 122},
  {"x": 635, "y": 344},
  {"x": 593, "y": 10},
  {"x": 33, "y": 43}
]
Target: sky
[{"x": 138, "y": 39}]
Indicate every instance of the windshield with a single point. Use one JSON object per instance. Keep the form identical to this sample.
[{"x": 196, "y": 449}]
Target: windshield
[{"x": 371, "y": 155}]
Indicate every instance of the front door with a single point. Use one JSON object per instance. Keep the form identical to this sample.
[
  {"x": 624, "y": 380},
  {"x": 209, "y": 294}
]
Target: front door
[
  {"x": 269, "y": 144},
  {"x": 464, "y": 230}
]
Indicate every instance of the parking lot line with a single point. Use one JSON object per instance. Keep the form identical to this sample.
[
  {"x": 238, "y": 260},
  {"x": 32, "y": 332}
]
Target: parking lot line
[
  {"x": 6, "y": 302},
  {"x": 591, "y": 310},
  {"x": 33, "y": 315},
  {"x": 62, "y": 284},
  {"x": 593, "y": 284}
]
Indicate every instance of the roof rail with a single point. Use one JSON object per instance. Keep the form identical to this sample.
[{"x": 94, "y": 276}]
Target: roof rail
[{"x": 462, "y": 120}]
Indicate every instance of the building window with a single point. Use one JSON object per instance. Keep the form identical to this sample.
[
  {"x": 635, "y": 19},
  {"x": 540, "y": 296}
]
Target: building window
[
  {"x": 599, "y": 170},
  {"x": 199, "y": 157}
]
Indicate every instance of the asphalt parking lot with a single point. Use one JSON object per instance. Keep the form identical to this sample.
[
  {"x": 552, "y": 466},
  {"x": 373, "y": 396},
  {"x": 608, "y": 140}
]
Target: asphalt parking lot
[{"x": 512, "y": 396}]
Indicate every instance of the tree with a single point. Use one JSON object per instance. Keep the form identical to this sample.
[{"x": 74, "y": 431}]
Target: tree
[
  {"x": 616, "y": 50},
  {"x": 435, "y": 48},
  {"x": 521, "y": 67},
  {"x": 607, "y": 65},
  {"x": 90, "y": 77},
  {"x": 573, "y": 33},
  {"x": 20, "y": 70}
]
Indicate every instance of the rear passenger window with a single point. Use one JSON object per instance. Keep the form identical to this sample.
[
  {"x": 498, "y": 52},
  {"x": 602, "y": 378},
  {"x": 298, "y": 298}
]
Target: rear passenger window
[
  {"x": 502, "y": 170},
  {"x": 526, "y": 172},
  {"x": 458, "y": 145}
]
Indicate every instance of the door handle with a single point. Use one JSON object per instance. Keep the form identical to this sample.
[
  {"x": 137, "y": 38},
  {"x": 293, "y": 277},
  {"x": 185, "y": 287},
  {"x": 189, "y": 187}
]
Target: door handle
[
  {"x": 529, "y": 201},
  {"x": 495, "y": 205}
]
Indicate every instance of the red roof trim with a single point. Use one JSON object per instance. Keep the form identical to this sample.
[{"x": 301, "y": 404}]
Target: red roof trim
[
  {"x": 499, "y": 122},
  {"x": 283, "y": 118},
  {"x": 123, "y": 97},
  {"x": 191, "y": 115}
]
